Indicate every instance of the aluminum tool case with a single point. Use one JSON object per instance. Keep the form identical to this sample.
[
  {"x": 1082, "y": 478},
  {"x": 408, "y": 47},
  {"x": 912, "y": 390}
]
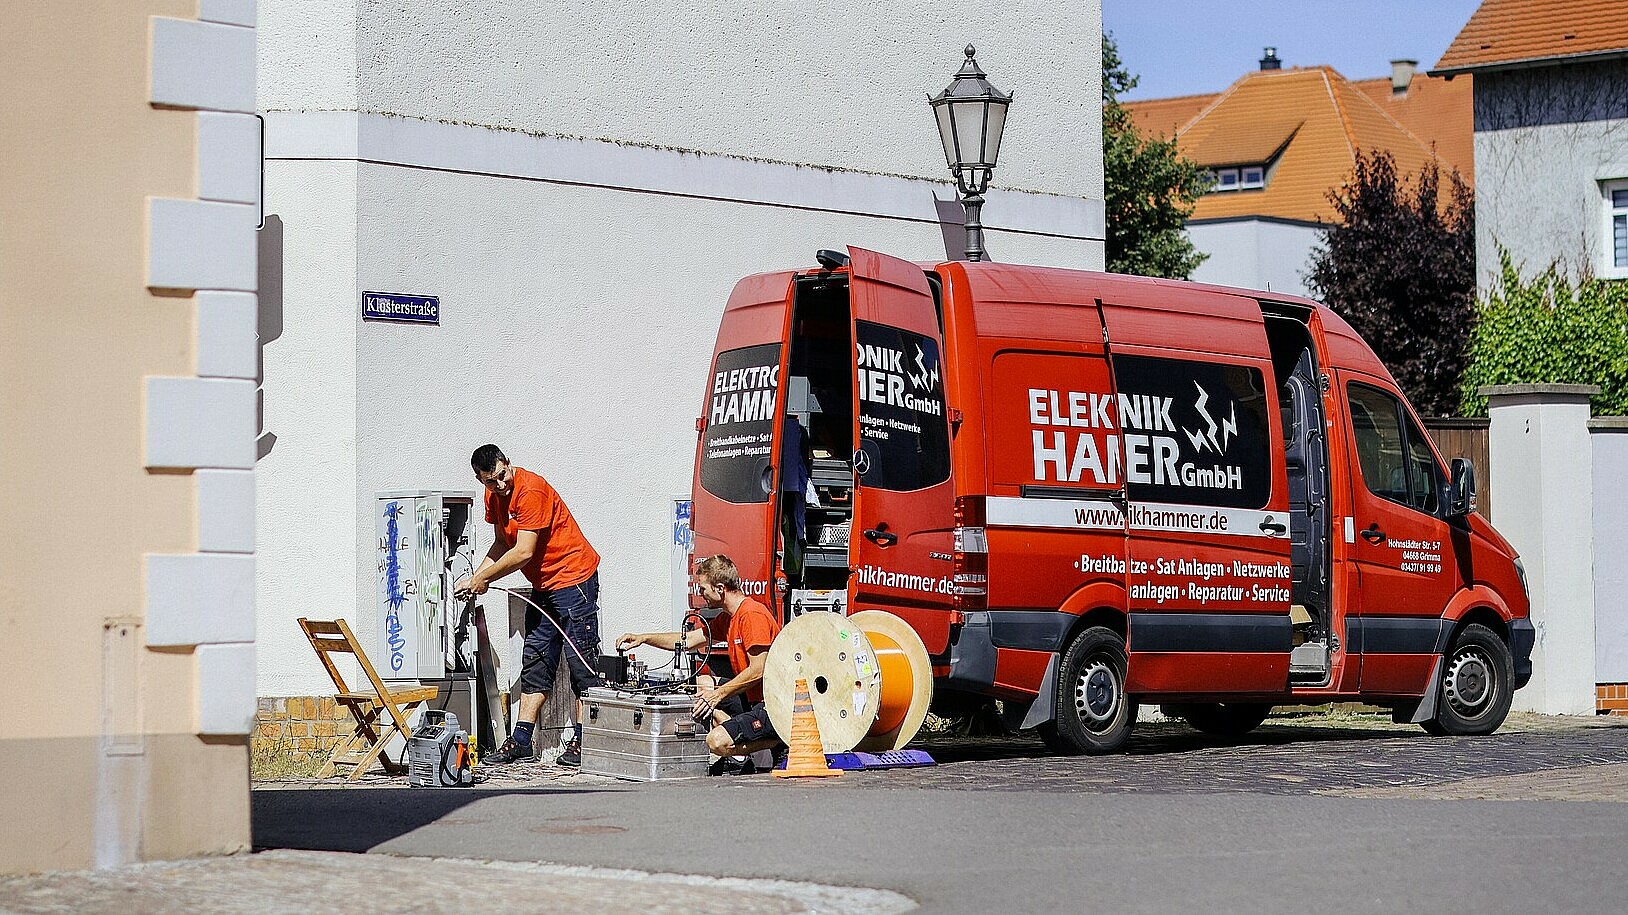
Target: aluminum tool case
[{"x": 641, "y": 737}]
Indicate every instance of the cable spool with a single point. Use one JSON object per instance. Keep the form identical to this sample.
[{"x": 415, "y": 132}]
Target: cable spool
[
  {"x": 835, "y": 658},
  {"x": 907, "y": 680},
  {"x": 868, "y": 675}
]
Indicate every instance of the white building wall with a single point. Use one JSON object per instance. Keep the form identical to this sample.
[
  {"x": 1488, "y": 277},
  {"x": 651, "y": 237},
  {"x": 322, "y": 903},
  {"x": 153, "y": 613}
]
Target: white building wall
[
  {"x": 1256, "y": 253},
  {"x": 1545, "y": 139},
  {"x": 1609, "y": 437},
  {"x": 581, "y": 281},
  {"x": 306, "y": 551},
  {"x": 842, "y": 84}
]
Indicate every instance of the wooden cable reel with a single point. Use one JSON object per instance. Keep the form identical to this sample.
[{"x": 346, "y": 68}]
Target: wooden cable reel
[{"x": 868, "y": 677}]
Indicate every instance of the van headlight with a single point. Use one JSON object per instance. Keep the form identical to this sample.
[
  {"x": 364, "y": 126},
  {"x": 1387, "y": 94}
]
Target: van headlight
[{"x": 1520, "y": 569}]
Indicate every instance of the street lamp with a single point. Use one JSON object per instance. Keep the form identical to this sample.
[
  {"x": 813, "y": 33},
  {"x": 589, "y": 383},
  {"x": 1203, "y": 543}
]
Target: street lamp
[{"x": 971, "y": 115}]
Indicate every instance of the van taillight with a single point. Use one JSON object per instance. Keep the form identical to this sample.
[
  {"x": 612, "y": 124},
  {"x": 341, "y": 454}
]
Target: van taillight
[{"x": 969, "y": 578}]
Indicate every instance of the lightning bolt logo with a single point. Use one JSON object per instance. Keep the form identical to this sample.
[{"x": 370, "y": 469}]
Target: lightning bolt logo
[
  {"x": 1217, "y": 436},
  {"x": 928, "y": 376}
]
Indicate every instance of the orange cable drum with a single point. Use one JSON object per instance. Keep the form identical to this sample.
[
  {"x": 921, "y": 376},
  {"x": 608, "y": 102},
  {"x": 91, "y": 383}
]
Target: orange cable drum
[
  {"x": 906, "y": 687},
  {"x": 897, "y": 683}
]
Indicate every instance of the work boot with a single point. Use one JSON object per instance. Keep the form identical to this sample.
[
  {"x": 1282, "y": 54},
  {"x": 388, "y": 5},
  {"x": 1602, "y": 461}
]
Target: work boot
[
  {"x": 511, "y": 752},
  {"x": 571, "y": 756}
]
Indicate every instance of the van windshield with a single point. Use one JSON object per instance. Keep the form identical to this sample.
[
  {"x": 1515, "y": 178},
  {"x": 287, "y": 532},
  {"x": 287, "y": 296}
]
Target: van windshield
[{"x": 735, "y": 449}]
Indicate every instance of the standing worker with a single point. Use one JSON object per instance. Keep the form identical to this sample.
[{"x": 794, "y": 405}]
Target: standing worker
[
  {"x": 536, "y": 534},
  {"x": 751, "y": 629}
]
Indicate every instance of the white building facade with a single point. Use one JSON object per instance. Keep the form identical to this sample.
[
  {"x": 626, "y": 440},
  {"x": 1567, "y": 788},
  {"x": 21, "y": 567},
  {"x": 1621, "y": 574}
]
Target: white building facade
[
  {"x": 581, "y": 185},
  {"x": 1551, "y": 162},
  {"x": 1256, "y": 252}
]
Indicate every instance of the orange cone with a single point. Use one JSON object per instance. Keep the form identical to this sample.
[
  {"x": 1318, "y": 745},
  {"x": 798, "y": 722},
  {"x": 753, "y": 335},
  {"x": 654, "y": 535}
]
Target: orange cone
[{"x": 805, "y": 756}]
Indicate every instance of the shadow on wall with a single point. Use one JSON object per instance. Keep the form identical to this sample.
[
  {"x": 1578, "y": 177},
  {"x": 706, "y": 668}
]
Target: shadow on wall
[
  {"x": 270, "y": 323},
  {"x": 952, "y": 221}
]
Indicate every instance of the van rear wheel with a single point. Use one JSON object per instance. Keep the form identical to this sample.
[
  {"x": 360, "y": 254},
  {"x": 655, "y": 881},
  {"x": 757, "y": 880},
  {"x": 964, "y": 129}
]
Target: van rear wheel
[
  {"x": 1477, "y": 684},
  {"x": 1093, "y": 713},
  {"x": 1226, "y": 719}
]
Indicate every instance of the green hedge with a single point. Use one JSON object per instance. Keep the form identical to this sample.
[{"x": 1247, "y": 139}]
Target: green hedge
[{"x": 1548, "y": 331}]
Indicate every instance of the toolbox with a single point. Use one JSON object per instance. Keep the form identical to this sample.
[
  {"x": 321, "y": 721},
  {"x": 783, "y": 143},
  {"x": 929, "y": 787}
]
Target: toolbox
[{"x": 643, "y": 737}]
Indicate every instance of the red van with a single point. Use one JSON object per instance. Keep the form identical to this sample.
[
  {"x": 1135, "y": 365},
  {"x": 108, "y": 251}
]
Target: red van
[{"x": 1087, "y": 491}]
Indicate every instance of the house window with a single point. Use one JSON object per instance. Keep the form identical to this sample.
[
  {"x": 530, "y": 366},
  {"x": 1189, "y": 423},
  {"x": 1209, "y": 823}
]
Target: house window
[
  {"x": 1238, "y": 179},
  {"x": 1616, "y": 228}
]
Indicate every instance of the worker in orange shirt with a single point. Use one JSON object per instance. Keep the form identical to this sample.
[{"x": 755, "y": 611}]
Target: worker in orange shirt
[
  {"x": 536, "y": 534},
  {"x": 751, "y": 629}
]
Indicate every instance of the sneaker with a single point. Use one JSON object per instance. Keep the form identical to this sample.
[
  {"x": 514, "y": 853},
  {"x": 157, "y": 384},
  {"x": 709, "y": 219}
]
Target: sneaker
[
  {"x": 510, "y": 753},
  {"x": 571, "y": 756},
  {"x": 729, "y": 765}
]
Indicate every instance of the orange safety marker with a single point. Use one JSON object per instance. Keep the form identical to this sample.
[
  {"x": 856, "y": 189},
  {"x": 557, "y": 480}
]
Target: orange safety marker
[{"x": 805, "y": 757}]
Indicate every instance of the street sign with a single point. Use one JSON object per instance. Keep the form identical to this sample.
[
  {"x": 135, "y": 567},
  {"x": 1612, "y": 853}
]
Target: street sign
[{"x": 391, "y": 306}]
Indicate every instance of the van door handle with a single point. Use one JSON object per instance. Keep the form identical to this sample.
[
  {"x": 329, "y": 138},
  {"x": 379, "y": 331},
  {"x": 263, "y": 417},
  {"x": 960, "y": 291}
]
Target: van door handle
[
  {"x": 1373, "y": 534},
  {"x": 881, "y": 536},
  {"x": 1272, "y": 527}
]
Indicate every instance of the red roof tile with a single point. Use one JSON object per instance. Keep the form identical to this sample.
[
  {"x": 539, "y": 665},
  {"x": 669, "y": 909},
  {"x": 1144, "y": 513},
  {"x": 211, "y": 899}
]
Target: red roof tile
[
  {"x": 1308, "y": 123},
  {"x": 1504, "y": 32}
]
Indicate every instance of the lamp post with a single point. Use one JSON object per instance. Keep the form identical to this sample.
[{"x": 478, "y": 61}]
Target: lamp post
[{"x": 971, "y": 115}]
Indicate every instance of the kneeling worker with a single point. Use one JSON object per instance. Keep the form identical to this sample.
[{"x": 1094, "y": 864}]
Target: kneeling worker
[{"x": 751, "y": 628}]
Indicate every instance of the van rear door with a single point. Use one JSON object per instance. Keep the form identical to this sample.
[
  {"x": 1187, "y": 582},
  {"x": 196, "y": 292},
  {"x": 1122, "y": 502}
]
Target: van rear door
[
  {"x": 733, "y": 489},
  {"x": 903, "y": 502}
]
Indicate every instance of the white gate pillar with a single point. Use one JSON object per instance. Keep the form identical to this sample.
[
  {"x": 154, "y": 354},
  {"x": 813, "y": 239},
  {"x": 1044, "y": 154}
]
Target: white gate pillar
[{"x": 1542, "y": 488}]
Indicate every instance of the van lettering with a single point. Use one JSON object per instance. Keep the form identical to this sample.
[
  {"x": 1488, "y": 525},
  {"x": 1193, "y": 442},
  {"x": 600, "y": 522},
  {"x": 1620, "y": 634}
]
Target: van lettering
[
  {"x": 1085, "y": 409},
  {"x": 880, "y": 357},
  {"x": 1056, "y": 462},
  {"x": 1146, "y": 412},
  {"x": 742, "y": 408}
]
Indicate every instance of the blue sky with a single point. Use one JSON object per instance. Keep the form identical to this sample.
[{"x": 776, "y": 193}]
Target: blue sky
[{"x": 1185, "y": 47}]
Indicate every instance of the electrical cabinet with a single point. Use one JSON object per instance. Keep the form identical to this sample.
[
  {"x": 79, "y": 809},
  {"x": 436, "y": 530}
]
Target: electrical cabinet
[{"x": 425, "y": 543}]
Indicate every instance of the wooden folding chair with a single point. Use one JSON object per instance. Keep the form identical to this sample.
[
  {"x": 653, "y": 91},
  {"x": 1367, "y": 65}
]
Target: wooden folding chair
[{"x": 382, "y": 706}]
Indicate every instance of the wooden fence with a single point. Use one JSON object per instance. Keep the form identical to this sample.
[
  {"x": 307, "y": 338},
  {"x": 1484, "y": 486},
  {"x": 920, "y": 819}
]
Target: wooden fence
[{"x": 1462, "y": 436}]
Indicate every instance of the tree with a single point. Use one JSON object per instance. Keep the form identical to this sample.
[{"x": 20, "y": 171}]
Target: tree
[
  {"x": 1548, "y": 330},
  {"x": 1400, "y": 267},
  {"x": 1151, "y": 187}
]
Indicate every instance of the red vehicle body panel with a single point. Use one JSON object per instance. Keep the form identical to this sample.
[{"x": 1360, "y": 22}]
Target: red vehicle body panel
[{"x": 1123, "y": 438}]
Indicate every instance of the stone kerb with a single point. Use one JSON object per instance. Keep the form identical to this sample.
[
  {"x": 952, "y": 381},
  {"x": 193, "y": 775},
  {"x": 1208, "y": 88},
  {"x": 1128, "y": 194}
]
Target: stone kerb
[{"x": 1542, "y": 487}]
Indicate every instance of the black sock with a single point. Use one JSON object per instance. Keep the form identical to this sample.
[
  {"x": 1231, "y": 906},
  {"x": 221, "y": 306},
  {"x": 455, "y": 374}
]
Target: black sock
[
  {"x": 576, "y": 732},
  {"x": 522, "y": 732}
]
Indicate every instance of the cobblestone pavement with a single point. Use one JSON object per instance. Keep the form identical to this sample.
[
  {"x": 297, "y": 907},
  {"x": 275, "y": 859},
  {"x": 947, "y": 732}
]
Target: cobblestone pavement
[
  {"x": 306, "y": 881},
  {"x": 1533, "y": 757},
  {"x": 1322, "y": 756}
]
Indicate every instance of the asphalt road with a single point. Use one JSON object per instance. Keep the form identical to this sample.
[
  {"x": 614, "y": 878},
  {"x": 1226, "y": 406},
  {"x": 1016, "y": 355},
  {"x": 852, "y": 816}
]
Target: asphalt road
[{"x": 1274, "y": 824}]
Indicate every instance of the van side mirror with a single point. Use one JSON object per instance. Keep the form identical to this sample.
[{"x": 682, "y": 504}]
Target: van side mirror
[{"x": 1461, "y": 491}]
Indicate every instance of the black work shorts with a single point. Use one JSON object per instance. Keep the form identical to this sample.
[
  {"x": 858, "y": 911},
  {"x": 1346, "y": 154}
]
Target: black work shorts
[
  {"x": 718, "y": 667},
  {"x": 751, "y": 725}
]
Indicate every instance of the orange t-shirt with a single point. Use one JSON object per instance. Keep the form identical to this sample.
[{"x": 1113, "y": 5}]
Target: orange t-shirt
[
  {"x": 564, "y": 557},
  {"x": 750, "y": 626}
]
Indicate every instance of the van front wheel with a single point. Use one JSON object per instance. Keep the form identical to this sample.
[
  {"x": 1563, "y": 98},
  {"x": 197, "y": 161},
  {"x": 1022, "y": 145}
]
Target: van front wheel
[
  {"x": 1093, "y": 713},
  {"x": 1477, "y": 684}
]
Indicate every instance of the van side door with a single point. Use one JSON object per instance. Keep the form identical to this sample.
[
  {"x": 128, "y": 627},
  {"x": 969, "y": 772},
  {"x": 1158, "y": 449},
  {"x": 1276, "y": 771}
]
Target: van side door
[
  {"x": 1406, "y": 559},
  {"x": 1208, "y": 508},
  {"x": 900, "y": 544}
]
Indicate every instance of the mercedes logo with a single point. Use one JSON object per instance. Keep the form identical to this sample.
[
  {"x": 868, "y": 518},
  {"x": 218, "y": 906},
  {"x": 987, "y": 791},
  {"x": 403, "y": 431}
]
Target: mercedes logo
[{"x": 862, "y": 463}]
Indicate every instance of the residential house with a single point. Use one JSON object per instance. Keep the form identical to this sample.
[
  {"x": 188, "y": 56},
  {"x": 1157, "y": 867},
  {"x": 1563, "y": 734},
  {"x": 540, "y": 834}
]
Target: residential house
[
  {"x": 1551, "y": 133},
  {"x": 1278, "y": 141}
]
